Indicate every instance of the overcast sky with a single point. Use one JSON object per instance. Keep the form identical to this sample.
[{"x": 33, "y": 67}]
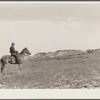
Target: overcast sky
[{"x": 44, "y": 27}]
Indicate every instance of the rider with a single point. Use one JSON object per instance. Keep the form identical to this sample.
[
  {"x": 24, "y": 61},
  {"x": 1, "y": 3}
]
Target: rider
[{"x": 14, "y": 52}]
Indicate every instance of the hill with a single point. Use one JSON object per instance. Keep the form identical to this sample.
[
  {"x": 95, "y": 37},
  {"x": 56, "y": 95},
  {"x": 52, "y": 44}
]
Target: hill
[
  {"x": 61, "y": 54},
  {"x": 75, "y": 71},
  {"x": 58, "y": 53}
]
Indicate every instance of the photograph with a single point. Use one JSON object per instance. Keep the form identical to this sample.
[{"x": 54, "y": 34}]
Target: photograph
[{"x": 53, "y": 45}]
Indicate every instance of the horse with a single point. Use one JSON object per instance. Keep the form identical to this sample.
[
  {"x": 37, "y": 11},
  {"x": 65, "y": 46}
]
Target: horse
[{"x": 9, "y": 59}]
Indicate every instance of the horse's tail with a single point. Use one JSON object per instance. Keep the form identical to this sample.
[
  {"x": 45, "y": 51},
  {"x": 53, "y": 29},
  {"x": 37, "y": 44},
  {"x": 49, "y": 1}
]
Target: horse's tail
[{"x": 1, "y": 62}]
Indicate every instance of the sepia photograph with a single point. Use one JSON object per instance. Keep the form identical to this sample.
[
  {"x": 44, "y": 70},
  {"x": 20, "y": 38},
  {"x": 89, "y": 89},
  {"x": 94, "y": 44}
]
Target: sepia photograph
[{"x": 53, "y": 45}]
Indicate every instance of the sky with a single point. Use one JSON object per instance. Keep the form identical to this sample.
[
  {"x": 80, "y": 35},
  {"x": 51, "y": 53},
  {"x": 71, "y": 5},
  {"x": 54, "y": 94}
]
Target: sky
[{"x": 45, "y": 27}]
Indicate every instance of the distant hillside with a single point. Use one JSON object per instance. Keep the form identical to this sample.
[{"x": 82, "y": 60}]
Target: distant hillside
[
  {"x": 66, "y": 54},
  {"x": 59, "y": 53}
]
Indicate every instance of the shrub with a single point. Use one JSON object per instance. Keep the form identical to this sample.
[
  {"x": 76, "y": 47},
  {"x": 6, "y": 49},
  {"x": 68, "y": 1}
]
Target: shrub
[{"x": 89, "y": 51}]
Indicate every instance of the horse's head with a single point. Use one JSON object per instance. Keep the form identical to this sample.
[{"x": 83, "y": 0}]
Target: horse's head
[{"x": 26, "y": 51}]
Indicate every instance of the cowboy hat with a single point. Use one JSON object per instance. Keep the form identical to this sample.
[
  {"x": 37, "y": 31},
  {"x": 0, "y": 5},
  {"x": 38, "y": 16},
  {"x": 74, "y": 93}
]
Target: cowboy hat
[{"x": 13, "y": 43}]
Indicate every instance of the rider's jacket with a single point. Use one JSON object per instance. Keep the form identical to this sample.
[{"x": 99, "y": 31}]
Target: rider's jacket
[{"x": 12, "y": 49}]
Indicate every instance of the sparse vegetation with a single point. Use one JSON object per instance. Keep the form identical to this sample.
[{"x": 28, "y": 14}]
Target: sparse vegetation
[
  {"x": 90, "y": 51},
  {"x": 66, "y": 72}
]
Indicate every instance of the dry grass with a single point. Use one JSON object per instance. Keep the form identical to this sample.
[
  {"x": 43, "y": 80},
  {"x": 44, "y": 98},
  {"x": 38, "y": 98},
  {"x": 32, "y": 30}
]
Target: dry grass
[{"x": 64, "y": 74}]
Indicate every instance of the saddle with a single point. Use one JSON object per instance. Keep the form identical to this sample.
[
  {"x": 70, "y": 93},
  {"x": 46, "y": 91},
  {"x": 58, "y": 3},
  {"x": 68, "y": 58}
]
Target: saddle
[{"x": 12, "y": 59}]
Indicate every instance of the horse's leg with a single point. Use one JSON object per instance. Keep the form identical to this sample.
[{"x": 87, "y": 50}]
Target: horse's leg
[
  {"x": 19, "y": 68},
  {"x": 3, "y": 69}
]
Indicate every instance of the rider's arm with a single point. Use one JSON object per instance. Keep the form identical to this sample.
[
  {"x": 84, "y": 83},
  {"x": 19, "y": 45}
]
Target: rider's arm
[{"x": 13, "y": 49}]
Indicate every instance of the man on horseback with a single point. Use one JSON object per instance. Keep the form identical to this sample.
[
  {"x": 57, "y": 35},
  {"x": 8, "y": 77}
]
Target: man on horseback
[{"x": 14, "y": 53}]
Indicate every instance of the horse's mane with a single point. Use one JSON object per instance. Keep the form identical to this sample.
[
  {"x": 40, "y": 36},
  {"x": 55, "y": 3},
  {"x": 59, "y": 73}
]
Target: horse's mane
[{"x": 22, "y": 52}]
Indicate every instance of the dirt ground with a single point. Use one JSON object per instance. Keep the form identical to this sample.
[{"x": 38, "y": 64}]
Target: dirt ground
[{"x": 77, "y": 73}]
